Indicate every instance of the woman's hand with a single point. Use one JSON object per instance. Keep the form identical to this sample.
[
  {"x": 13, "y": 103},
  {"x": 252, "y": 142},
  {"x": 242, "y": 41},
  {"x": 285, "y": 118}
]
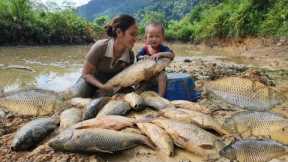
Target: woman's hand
[{"x": 107, "y": 88}]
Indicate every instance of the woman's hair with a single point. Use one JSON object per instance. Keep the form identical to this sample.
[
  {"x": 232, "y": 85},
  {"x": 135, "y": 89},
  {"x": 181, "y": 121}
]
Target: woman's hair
[
  {"x": 122, "y": 22},
  {"x": 155, "y": 24}
]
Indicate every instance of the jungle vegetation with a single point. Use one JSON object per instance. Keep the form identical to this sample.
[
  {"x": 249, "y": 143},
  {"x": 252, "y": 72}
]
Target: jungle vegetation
[{"x": 184, "y": 20}]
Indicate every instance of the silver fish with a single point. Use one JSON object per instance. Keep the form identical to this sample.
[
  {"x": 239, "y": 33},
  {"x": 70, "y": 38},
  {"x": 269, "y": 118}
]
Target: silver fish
[
  {"x": 92, "y": 109},
  {"x": 33, "y": 132},
  {"x": 97, "y": 140},
  {"x": 254, "y": 150},
  {"x": 114, "y": 107}
]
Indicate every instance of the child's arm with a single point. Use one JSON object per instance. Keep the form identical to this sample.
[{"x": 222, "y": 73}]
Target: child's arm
[
  {"x": 158, "y": 55},
  {"x": 164, "y": 52}
]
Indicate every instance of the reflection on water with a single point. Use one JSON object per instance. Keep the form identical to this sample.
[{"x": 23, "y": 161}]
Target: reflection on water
[
  {"x": 56, "y": 82},
  {"x": 56, "y": 68}
]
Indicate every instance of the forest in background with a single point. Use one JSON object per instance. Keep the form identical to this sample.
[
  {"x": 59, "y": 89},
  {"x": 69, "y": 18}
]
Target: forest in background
[{"x": 184, "y": 20}]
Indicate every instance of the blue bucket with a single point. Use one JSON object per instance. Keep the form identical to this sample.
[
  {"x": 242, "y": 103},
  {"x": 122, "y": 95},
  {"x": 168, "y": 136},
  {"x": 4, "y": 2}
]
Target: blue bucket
[{"x": 180, "y": 86}]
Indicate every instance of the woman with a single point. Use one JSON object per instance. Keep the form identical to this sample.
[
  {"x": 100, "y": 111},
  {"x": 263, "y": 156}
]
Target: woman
[{"x": 107, "y": 57}]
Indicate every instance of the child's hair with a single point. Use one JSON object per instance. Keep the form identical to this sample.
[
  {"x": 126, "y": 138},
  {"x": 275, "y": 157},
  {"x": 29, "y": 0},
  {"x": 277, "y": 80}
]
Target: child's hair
[
  {"x": 122, "y": 22},
  {"x": 155, "y": 24}
]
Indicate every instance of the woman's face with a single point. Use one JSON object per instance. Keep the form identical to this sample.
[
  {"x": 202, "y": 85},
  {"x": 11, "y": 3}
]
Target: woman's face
[{"x": 129, "y": 37}]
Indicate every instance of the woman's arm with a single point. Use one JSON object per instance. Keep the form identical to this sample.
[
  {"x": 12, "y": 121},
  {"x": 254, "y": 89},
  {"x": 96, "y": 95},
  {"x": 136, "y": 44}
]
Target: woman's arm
[{"x": 88, "y": 76}]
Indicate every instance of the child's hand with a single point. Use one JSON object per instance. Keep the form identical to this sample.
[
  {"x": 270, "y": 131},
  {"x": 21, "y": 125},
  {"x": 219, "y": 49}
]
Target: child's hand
[
  {"x": 144, "y": 57},
  {"x": 156, "y": 56}
]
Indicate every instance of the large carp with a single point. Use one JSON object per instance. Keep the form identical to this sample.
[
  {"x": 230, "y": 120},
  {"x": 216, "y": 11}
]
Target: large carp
[
  {"x": 31, "y": 101},
  {"x": 114, "y": 107},
  {"x": 259, "y": 124},
  {"x": 33, "y": 132},
  {"x": 140, "y": 71},
  {"x": 192, "y": 138},
  {"x": 97, "y": 140},
  {"x": 70, "y": 117},
  {"x": 245, "y": 93},
  {"x": 152, "y": 99},
  {"x": 114, "y": 122},
  {"x": 254, "y": 150},
  {"x": 204, "y": 121}
]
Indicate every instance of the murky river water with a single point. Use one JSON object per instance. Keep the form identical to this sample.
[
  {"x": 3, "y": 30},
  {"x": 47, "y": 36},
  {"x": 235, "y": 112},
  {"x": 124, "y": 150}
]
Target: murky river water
[{"x": 58, "y": 67}]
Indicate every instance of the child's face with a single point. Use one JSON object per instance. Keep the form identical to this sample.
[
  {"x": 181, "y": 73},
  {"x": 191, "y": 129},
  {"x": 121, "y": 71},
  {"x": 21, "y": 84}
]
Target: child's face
[{"x": 154, "y": 36}]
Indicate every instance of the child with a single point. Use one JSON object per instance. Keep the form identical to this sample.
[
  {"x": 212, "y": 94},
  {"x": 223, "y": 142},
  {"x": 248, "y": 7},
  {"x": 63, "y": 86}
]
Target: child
[{"x": 154, "y": 37}]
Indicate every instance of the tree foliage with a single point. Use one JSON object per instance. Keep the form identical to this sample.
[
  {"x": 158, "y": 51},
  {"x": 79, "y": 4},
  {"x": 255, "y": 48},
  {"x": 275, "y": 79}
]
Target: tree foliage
[
  {"x": 232, "y": 19},
  {"x": 20, "y": 24}
]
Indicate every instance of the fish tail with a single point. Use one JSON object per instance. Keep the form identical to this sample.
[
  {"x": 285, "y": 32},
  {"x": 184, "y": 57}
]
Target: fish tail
[{"x": 148, "y": 143}]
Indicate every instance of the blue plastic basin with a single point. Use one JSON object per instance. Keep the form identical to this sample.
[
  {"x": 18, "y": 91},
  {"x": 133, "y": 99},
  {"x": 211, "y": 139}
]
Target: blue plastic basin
[{"x": 180, "y": 86}]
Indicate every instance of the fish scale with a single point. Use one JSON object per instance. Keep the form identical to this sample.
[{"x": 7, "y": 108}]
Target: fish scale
[
  {"x": 192, "y": 138},
  {"x": 96, "y": 140},
  {"x": 31, "y": 101},
  {"x": 245, "y": 93},
  {"x": 254, "y": 150},
  {"x": 140, "y": 71},
  {"x": 260, "y": 124},
  {"x": 114, "y": 107}
]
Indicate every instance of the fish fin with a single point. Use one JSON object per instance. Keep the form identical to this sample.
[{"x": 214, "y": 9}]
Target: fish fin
[
  {"x": 148, "y": 143},
  {"x": 84, "y": 127},
  {"x": 181, "y": 141},
  {"x": 100, "y": 150},
  {"x": 147, "y": 118},
  {"x": 116, "y": 89}
]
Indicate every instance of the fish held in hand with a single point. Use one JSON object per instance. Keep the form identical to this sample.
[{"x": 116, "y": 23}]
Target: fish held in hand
[{"x": 138, "y": 72}]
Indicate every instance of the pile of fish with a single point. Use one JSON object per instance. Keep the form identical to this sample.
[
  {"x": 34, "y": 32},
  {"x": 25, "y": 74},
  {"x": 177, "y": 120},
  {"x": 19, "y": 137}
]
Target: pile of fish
[{"x": 100, "y": 125}]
